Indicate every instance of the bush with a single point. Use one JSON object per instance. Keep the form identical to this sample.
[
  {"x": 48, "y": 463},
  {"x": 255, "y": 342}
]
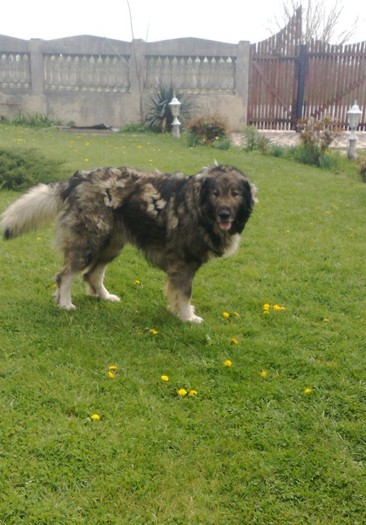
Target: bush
[
  {"x": 20, "y": 170},
  {"x": 133, "y": 128},
  {"x": 222, "y": 143},
  {"x": 253, "y": 140},
  {"x": 362, "y": 168},
  {"x": 315, "y": 139},
  {"x": 36, "y": 120},
  {"x": 208, "y": 129},
  {"x": 251, "y": 137}
]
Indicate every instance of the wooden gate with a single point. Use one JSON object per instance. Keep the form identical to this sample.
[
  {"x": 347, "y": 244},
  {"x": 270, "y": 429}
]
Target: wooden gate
[{"x": 290, "y": 81}]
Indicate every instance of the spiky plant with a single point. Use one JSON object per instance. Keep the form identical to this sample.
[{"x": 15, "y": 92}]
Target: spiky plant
[{"x": 158, "y": 115}]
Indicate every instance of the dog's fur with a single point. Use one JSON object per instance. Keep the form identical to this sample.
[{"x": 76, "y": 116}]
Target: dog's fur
[{"x": 178, "y": 223}]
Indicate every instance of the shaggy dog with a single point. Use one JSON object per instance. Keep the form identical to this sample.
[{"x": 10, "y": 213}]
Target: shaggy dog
[{"x": 178, "y": 223}]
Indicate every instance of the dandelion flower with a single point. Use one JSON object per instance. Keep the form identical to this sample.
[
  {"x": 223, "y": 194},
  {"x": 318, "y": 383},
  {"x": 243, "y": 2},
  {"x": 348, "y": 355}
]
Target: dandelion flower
[
  {"x": 265, "y": 308},
  {"x": 234, "y": 341},
  {"x": 263, "y": 373},
  {"x": 308, "y": 391},
  {"x": 228, "y": 363},
  {"x": 192, "y": 392},
  {"x": 112, "y": 371},
  {"x": 225, "y": 315},
  {"x": 95, "y": 417},
  {"x": 278, "y": 308},
  {"x": 236, "y": 314},
  {"x": 182, "y": 392},
  {"x": 152, "y": 331},
  {"x": 165, "y": 378},
  {"x": 137, "y": 282}
]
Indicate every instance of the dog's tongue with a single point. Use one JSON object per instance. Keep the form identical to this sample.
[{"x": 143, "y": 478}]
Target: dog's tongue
[{"x": 225, "y": 226}]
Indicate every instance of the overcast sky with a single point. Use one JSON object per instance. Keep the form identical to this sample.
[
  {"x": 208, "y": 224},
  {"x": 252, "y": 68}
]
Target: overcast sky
[{"x": 152, "y": 20}]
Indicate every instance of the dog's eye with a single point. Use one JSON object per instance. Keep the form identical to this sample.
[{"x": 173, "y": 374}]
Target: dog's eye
[
  {"x": 235, "y": 193},
  {"x": 215, "y": 193}
]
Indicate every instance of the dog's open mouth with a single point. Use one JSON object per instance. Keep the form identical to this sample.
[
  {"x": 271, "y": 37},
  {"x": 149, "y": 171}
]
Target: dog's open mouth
[{"x": 225, "y": 225}]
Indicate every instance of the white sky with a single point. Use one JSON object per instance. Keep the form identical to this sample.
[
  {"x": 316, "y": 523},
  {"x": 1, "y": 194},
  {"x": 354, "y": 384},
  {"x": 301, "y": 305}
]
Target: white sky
[{"x": 225, "y": 20}]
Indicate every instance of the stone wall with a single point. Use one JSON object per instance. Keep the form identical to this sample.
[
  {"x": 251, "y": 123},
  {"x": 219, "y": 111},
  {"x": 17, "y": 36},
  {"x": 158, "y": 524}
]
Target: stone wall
[{"x": 91, "y": 80}]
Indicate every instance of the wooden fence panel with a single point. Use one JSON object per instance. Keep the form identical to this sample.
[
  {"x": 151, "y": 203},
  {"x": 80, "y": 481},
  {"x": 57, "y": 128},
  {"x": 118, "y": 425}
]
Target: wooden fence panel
[
  {"x": 290, "y": 81},
  {"x": 336, "y": 77}
]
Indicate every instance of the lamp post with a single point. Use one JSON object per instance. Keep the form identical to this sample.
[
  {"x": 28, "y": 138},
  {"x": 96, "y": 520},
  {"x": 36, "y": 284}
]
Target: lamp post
[
  {"x": 354, "y": 118},
  {"x": 175, "y": 109}
]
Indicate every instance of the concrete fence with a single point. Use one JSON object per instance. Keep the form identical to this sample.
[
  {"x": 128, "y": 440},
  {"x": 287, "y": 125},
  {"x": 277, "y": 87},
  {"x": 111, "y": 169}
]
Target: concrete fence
[{"x": 91, "y": 80}]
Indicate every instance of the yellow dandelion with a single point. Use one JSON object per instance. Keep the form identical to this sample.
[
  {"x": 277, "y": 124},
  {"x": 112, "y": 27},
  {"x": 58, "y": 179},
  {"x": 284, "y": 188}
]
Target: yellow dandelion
[
  {"x": 265, "y": 308},
  {"x": 165, "y": 378},
  {"x": 137, "y": 282},
  {"x": 234, "y": 341},
  {"x": 278, "y": 308},
  {"x": 236, "y": 314},
  {"x": 113, "y": 368},
  {"x": 95, "y": 417},
  {"x": 263, "y": 373},
  {"x": 225, "y": 315},
  {"x": 111, "y": 374},
  {"x": 228, "y": 363},
  {"x": 182, "y": 392},
  {"x": 308, "y": 391},
  {"x": 192, "y": 392},
  {"x": 152, "y": 331}
]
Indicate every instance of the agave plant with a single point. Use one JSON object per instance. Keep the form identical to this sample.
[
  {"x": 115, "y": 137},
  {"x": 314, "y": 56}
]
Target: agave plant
[{"x": 158, "y": 116}]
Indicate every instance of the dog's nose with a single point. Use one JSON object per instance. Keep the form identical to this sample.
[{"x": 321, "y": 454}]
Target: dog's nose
[{"x": 224, "y": 215}]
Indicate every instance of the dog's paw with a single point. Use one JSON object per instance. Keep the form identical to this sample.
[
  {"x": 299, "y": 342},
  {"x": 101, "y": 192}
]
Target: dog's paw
[
  {"x": 68, "y": 306},
  {"x": 111, "y": 297},
  {"x": 195, "y": 319}
]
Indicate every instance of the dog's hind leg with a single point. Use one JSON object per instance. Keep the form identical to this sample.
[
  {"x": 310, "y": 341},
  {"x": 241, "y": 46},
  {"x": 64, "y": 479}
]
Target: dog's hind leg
[
  {"x": 179, "y": 291},
  {"x": 94, "y": 283}
]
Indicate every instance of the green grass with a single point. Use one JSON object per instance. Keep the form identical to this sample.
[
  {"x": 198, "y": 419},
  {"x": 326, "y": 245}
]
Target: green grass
[{"x": 246, "y": 449}]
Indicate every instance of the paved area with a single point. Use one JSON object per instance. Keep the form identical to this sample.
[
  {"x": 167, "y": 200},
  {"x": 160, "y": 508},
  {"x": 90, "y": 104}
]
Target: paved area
[{"x": 291, "y": 138}]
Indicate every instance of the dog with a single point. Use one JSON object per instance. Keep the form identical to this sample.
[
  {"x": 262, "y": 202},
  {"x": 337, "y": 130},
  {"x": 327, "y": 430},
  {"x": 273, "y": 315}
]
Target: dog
[{"x": 178, "y": 222}]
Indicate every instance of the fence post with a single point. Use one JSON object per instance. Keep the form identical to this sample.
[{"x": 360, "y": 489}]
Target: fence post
[
  {"x": 301, "y": 74},
  {"x": 37, "y": 101},
  {"x": 242, "y": 78}
]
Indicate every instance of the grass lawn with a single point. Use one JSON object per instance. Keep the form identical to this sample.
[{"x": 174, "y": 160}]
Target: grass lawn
[{"x": 278, "y": 437}]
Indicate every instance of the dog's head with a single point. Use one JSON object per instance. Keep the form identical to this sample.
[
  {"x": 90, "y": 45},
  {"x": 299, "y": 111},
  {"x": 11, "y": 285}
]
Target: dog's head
[{"x": 227, "y": 198}]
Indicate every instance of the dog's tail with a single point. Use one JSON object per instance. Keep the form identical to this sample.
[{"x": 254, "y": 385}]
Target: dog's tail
[{"x": 38, "y": 206}]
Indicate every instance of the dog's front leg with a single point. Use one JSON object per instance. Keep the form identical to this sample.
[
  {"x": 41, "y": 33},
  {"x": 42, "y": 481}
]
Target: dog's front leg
[{"x": 179, "y": 292}]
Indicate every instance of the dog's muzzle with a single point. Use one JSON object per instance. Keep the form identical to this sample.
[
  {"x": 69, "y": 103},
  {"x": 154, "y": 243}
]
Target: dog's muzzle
[{"x": 224, "y": 219}]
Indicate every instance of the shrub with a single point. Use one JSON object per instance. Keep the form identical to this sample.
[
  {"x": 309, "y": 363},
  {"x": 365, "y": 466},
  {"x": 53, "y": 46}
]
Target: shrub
[
  {"x": 159, "y": 117},
  {"x": 251, "y": 137},
  {"x": 362, "y": 168},
  {"x": 133, "y": 128},
  {"x": 315, "y": 139},
  {"x": 20, "y": 170},
  {"x": 222, "y": 143},
  {"x": 35, "y": 120},
  {"x": 208, "y": 129},
  {"x": 253, "y": 140}
]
